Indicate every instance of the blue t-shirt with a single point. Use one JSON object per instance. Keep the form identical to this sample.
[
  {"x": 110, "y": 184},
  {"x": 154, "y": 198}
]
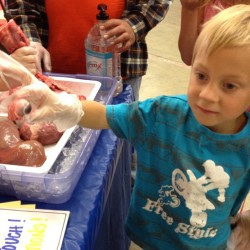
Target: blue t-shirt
[{"x": 189, "y": 179}]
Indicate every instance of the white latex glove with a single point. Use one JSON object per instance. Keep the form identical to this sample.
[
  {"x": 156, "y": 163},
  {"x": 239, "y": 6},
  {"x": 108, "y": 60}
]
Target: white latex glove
[
  {"x": 27, "y": 57},
  {"x": 240, "y": 236},
  {"x": 42, "y": 57},
  {"x": 33, "y": 57},
  {"x": 12, "y": 73},
  {"x": 64, "y": 110}
]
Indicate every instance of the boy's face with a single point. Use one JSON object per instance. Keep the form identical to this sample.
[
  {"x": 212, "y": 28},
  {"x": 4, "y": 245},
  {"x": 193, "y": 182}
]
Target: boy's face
[{"x": 219, "y": 89}]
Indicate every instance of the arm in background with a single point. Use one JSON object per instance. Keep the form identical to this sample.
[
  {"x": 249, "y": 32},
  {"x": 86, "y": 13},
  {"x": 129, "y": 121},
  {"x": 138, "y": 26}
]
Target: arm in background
[
  {"x": 189, "y": 30},
  {"x": 31, "y": 17}
]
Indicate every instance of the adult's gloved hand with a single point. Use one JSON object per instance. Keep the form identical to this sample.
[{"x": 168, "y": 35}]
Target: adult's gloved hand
[
  {"x": 64, "y": 110},
  {"x": 43, "y": 60},
  {"x": 27, "y": 57},
  {"x": 240, "y": 236},
  {"x": 33, "y": 57}
]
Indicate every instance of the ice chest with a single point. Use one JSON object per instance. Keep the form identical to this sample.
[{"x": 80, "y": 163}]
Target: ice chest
[{"x": 57, "y": 183}]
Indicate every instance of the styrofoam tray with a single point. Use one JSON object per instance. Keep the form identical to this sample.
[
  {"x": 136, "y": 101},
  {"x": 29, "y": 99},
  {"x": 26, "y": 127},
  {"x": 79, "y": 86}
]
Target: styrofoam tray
[{"x": 89, "y": 89}]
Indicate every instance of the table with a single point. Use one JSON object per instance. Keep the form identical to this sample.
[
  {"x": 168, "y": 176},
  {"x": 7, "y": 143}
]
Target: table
[{"x": 100, "y": 201}]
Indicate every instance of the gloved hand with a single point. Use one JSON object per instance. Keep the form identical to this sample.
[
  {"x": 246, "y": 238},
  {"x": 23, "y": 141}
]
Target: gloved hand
[
  {"x": 32, "y": 57},
  {"x": 42, "y": 57},
  {"x": 240, "y": 236},
  {"x": 27, "y": 57},
  {"x": 12, "y": 73},
  {"x": 64, "y": 110}
]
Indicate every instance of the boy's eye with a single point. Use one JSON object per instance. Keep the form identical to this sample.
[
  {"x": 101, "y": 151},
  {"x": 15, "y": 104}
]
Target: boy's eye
[
  {"x": 229, "y": 85},
  {"x": 201, "y": 76}
]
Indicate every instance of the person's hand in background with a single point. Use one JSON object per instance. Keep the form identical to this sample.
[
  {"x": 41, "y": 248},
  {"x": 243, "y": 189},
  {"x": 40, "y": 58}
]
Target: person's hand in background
[
  {"x": 43, "y": 60},
  {"x": 122, "y": 32},
  {"x": 27, "y": 57},
  {"x": 34, "y": 57}
]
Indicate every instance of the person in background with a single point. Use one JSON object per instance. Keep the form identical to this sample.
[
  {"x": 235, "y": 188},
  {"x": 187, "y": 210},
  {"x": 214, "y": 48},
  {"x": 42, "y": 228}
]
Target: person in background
[
  {"x": 193, "y": 150},
  {"x": 194, "y": 14},
  {"x": 57, "y": 29},
  {"x": 27, "y": 55}
]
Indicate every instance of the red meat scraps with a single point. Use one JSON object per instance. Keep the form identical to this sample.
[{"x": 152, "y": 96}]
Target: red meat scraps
[
  {"x": 56, "y": 86},
  {"x": 44, "y": 132}
]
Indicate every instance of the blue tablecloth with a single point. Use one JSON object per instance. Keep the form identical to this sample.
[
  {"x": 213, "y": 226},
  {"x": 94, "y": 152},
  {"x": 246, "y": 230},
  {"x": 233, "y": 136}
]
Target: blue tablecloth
[{"x": 100, "y": 201}]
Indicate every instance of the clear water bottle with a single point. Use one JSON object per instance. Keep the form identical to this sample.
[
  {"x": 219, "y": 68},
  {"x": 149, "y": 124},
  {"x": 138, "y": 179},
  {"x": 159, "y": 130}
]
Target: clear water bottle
[
  {"x": 101, "y": 58},
  {"x": 117, "y": 72}
]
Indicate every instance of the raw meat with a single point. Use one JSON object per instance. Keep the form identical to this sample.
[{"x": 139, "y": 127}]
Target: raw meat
[
  {"x": 24, "y": 153},
  {"x": 12, "y": 37},
  {"x": 9, "y": 134},
  {"x": 15, "y": 151},
  {"x": 17, "y": 109},
  {"x": 58, "y": 86},
  {"x": 45, "y": 133}
]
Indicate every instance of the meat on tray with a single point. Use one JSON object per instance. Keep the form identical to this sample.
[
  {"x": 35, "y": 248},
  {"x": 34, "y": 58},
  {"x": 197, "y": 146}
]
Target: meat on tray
[
  {"x": 17, "y": 108},
  {"x": 58, "y": 86},
  {"x": 12, "y": 37},
  {"x": 44, "y": 132},
  {"x": 31, "y": 152},
  {"x": 24, "y": 153},
  {"x": 15, "y": 151},
  {"x": 9, "y": 134}
]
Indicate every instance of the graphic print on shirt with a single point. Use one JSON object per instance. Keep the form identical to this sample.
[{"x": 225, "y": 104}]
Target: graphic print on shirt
[
  {"x": 167, "y": 197},
  {"x": 194, "y": 191}
]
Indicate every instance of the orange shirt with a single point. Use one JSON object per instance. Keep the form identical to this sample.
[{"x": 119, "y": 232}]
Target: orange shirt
[{"x": 69, "y": 23}]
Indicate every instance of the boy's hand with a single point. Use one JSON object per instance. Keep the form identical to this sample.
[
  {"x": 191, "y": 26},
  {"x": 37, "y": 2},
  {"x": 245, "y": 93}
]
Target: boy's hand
[
  {"x": 122, "y": 31},
  {"x": 37, "y": 103}
]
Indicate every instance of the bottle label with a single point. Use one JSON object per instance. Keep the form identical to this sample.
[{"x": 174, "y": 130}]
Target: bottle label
[{"x": 99, "y": 64}]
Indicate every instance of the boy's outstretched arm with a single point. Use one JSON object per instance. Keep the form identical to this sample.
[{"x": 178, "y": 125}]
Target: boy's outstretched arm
[
  {"x": 94, "y": 115},
  {"x": 37, "y": 103}
]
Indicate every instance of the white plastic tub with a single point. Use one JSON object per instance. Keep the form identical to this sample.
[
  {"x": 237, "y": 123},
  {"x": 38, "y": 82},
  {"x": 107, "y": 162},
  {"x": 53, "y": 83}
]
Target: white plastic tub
[{"x": 56, "y": 184}]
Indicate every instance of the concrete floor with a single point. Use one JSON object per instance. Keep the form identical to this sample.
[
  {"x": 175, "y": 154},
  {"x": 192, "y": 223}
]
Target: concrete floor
[{"x": 166, "y": 73}]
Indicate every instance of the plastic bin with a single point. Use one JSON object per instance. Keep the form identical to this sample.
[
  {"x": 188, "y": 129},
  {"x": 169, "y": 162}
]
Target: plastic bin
[{"x": 57, "y": 185}]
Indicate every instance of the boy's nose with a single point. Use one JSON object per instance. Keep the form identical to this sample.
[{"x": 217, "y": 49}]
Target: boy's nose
[{"x": 210, "y": 92}]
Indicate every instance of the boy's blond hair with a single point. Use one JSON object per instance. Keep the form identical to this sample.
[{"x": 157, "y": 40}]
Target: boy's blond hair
[{"x": 228, "y": 29}]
